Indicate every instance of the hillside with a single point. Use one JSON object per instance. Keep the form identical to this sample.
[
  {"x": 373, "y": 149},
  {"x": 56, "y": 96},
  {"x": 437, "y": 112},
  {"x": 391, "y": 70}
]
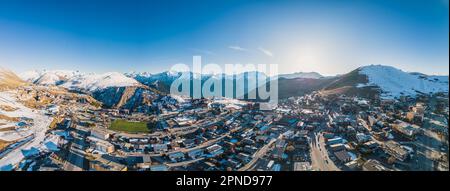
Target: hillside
[
  {"x": 133, "y": 98},
  {"x": 9, "y": 80},
  {"x": 368, "y": 81},
  {"x": 301, "y": 86},
  {"x": 394, "y": 82},
  {"x": 113, "y": 89}
]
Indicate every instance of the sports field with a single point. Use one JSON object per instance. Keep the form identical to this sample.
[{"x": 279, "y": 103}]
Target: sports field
[{"x": 129, "y": 126}]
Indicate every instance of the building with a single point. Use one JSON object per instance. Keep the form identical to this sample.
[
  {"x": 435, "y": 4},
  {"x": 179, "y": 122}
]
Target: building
[
  {"x": 100, "y": 134},
  {"x": 280, "y": 144},
  {"x": 406, "y": 129},
  {"x": 188, "y": 143},
  {"x": 419, "y": 109},
  {"x": 362, "y": 138},
  {"x": 371, "y": 145},
  {"x": 270, "y": 164},
  {"x": 277, "y": 153},
  {"x": 335, "y": 141},
  {"x": 302, "y": 166},
  {"x": 158, "y": 168},
  {"x": 138, "y": 159},
  {"x": 337, "y": 147},
  {"x": 159, "y": 148},
  {"x": 214, "y": 150},
  {"x": 440, "y": 126},
  {"x": 373, "y": 165},
  {"x": 196, "y": 153},
  {"x": 328, "y": 135},
  {"x": 343, "y": 156},
  {"x": 395, "y": 149},
  {"x": 105, "y": 164},
  {"x": 245, "y": 158},
  {"x": 176, "y": 157},
  {"x": 352, "y": 164},
  {"x": 410, "y": 116},
  {"x": 276, "y": 167},
  {"x": 52, "y": 109},
  {"x": 101, "y": 145}
]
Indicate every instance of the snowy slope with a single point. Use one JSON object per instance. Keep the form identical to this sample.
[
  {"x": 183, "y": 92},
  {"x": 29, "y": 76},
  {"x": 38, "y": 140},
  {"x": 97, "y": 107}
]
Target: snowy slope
[
  {"x": 30, "y": 76},
  {"x": 53, "y": 77},
  {"x": 92, "y": 82},
  {"x": 75, "y": 80},
  {"x": 33, "y": 137},
  {"x": 394, "y": 82}
]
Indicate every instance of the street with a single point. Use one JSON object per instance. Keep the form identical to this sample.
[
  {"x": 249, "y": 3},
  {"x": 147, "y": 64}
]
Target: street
[{"x": 319, "y": 154}]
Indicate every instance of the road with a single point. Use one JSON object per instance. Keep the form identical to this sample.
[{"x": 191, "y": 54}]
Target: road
[
  {"x": 319, "y": 154},
  {"x": 258, "y": 154}
]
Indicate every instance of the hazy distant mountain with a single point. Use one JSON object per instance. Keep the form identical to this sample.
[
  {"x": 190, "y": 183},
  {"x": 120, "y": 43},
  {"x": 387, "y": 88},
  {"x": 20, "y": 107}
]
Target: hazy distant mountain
[
  {"x": 311, "y": 75},
  {"x": 162, "y": 81}
]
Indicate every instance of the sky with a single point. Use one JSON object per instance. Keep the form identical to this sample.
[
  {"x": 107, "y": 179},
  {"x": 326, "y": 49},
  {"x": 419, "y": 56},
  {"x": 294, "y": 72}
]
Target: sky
[{"x": 326, "y": 36}]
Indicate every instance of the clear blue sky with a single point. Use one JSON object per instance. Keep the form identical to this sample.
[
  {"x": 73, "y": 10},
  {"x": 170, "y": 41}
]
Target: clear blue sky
[{"x": 329, "y": 37}]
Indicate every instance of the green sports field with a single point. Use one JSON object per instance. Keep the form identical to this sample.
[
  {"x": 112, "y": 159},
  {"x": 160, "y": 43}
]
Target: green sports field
[{"x": 129, "y": 126}]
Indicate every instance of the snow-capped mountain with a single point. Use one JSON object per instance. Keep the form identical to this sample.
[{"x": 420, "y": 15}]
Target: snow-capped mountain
[
  {"x": 367, "y": 81},
  {"x": 53, "y": 77},
  {"x": 92, "y": 82},
  {"x": 394, "y": 82},
  {"x": 113, "y": 89},
  {"x": 75, "y": 80}
]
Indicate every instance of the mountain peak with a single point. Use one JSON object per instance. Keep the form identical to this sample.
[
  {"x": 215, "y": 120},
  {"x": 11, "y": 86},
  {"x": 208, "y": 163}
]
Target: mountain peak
[
  {"x": 394, "y": 82},
  {"x": 92, "y": 82}
]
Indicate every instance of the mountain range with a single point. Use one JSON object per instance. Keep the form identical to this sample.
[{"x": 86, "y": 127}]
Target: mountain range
[{"x": 137, "y": 90}]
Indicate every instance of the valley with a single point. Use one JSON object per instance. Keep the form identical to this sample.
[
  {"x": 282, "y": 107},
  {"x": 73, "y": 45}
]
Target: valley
[{"x": 362, "y": 120}]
